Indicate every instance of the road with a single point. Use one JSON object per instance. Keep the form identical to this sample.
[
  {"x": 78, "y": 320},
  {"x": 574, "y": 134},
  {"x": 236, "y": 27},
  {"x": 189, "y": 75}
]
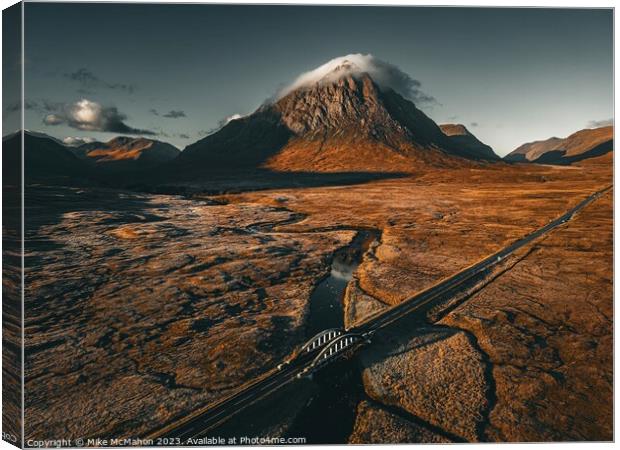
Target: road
[{"x": 202, "y": 421}]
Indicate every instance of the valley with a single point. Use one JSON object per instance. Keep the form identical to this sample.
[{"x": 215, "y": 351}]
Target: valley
[
  {"x": 209, "y": 291},
  {"x": 160, "y": 281}
]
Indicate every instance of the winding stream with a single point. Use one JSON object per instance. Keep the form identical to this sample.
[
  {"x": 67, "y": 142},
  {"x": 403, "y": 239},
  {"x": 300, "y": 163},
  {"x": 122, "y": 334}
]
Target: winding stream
[
  {"x": 327, "y": 299},
  {"x": 329, "y": 415}
]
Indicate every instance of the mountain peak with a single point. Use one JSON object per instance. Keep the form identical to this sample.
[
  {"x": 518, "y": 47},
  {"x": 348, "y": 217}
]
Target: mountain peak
[
  {"x": 357, "y": 65},
  {"x": 346, "y": 101},
  {"x": 455, "y": 129},
  {"x": 345, "y": 69},
  {"x": 466, "y": 144},
  {"x": 126, "y": 153},
  {"x": 353, "y": 113}
]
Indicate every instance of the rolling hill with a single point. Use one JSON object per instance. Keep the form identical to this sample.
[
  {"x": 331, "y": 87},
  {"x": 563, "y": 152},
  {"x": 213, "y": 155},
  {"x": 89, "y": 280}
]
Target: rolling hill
[{"x": 582, "y": 145}]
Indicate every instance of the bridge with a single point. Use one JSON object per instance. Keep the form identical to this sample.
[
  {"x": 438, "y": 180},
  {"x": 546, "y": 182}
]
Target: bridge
[
  {"x": 321, "y": 339},
  {"x": 324, "y": 347},
  {"x": 336, "y": 348},
  {"x": 330, "y": 345}
]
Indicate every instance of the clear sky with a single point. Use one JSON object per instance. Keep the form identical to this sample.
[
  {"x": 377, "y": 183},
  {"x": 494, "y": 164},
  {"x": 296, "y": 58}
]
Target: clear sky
[{"x": 176, "y": 71}]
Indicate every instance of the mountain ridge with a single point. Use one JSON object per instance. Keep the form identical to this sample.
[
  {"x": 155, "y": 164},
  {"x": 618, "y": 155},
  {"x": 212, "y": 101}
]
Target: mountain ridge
[
  {"x": 345, "y": 124},
  {"x": 126, "y": 153},
  {"x": 44, "y": 157},
  {"x": 467, "y": 142},
  {"x": 581, "y": 145}
]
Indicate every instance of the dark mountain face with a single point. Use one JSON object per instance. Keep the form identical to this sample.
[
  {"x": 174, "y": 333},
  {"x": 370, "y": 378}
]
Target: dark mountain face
[
  {"x": 44, "y": 159},
  {"x": 48, "y": 160},
  {"x": 469, "y": 145},
  {"x": 242, "y": 143},
  {"x": 583, "y": 145},
  {"x": 349, "y": 124},
  {"x": 124, "y": 153}
]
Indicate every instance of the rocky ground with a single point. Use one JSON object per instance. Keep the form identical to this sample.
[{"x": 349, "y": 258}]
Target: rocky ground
[
  {"x": 525, "y": 355},
  {"x": 143, "y": 307},
  {"x": 528, "y": 357},
  {"x": 140, "y": 308}
]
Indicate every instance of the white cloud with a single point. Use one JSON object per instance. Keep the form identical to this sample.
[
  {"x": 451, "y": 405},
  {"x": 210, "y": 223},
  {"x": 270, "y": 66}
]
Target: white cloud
[
  {"x": 386, "y": 75},
  {"x": 222, "y": 123},
  {"x": 53, "y": 119},
  {"x": 87, "y": 115},
  {"x": 233, "y": 117},
  {"x": 600, "y": 123},
  {"x": 74, "y": 141}
]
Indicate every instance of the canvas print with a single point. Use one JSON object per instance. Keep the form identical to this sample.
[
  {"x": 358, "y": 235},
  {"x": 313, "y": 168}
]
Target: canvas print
[{"x": 268, "y": 224}]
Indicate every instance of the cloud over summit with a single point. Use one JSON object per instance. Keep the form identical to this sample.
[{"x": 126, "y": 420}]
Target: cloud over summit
[
  {"x": 600, "y": 123},
  {"x": 386, "y": 75},
  {"x": 87, "y": 115}
]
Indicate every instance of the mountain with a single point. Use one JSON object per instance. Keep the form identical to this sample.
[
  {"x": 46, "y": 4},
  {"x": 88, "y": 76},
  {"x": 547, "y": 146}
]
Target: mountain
[
  {"x": 530, "y": 151},
  {"x": 344, "y": 122},
  {"x": 44, "y": 159},
  {"x": 579, "y": 146},
  {"x": 45, "y": 136},
  {"x": 48, "y": 159},
  {"x": 126, "y": 153},
  {"x": 467, "y": 143}
]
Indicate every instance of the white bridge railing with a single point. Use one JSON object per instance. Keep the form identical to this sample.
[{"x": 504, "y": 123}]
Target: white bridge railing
[{"x": 321, "y": 339}]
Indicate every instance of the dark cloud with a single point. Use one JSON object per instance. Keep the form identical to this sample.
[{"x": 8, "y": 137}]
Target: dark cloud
[
  {"x": 49, "y": 106},
  {"x": 175, "y": 114},
  {"x": 13, "y": 107},
  {"x": 28, "y": 105},
  {"x": 41, "y": 106},
  {"x": 172, "y": 114},
  {"x": 473, "y": 124},
  {"x": 83, "y": 76},
  {"x": 89, "y": 81},
  {"x": 600, "y": 123},
  {"x": 86, "y": 115},
  {"x": 163, "y": 134}
]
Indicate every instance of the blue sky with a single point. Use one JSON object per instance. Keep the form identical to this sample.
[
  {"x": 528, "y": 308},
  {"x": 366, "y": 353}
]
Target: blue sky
[{"x": 509, "y": 75}]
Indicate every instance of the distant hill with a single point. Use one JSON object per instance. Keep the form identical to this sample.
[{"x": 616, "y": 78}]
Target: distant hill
[
  {"x": 43, "y": 135},
  {"x": 468, "y": 144},
  {"x": 126, "y": 153},
  {"x": 44, "y": 158},
  {"x": 48, "y": 159},
  {"x": 579, "y": 146}
]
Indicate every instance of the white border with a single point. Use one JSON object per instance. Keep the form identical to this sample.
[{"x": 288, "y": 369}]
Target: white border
[{"x": 441, "y": 3}]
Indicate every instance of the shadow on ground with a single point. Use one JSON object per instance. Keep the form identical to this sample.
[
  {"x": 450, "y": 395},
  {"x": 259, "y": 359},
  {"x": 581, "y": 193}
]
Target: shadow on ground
[{"x": 259, "y": 179}]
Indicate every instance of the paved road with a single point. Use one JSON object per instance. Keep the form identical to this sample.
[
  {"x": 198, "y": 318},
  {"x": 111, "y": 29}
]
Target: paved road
[
  {"x": 202, "y": 421},
  {"x": 448, "y": 284}
]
